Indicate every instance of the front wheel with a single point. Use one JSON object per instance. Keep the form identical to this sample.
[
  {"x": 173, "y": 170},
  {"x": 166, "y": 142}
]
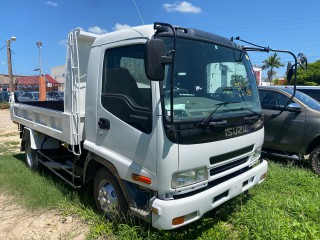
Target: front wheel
[
  {"x": 108, "y": 195},
  {"x": 30, "y": 155},
  {"x": 314, "y": 159}
]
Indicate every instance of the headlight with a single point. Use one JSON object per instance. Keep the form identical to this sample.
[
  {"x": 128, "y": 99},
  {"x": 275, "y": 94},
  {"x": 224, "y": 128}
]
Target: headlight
[
  {"x": 256, "y": 155},
  {"x": 181, "y": 179}
]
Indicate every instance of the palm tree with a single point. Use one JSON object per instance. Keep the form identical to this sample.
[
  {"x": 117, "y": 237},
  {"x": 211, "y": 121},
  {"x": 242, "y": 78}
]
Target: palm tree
[{"x": 271, "y": 63}]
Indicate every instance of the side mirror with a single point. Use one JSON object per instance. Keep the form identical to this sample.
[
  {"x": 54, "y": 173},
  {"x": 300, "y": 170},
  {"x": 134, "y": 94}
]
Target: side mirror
[
  {"x": 302, "y": 61},
  {"x": 155, "y": 59},
  {"x": 295, "y": 107}
]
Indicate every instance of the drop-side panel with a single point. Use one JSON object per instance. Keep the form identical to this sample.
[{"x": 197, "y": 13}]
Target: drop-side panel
[{"x": 53, "y": 123}]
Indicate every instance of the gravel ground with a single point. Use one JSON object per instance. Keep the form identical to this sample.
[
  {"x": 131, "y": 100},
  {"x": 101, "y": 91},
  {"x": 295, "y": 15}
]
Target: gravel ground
[{"x": 18, "y": 223}]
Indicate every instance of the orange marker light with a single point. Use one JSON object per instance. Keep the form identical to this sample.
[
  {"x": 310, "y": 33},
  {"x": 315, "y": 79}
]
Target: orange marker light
[
  {"x": 178, "y": 221},
  {"x": 155, "y": 211},
  {"x": 140, "y": 178},
  {"x": 263, "y": 176}
]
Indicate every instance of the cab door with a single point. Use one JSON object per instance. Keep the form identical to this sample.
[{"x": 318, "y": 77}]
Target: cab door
[
  {"x": 124, "y": 128},
  {"x": 283, "y": 128}
]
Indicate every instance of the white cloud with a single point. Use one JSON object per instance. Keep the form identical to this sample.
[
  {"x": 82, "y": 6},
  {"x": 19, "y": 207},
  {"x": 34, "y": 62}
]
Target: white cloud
[
  {"x": 97, "y": 30},
  {"x": 184, "y": 7},
  {"x": 53, "y": 4},
  {"x": 119, "y": 26}
]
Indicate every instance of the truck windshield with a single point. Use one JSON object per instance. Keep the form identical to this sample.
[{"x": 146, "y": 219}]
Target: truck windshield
[{"x": 207, "y": 75}]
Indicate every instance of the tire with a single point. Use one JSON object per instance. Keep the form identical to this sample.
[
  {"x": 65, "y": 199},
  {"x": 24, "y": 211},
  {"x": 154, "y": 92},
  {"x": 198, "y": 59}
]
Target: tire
[
  {"x": 30, "y": 156},
  {"x": 314, "y": 159},
  {"x": 108, "y": 195}
]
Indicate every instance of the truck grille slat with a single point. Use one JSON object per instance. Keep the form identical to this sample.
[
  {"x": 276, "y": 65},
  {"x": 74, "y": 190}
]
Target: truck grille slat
[
  {"x": 229, "y": 155},
  {"x": 228, "y": 166}
]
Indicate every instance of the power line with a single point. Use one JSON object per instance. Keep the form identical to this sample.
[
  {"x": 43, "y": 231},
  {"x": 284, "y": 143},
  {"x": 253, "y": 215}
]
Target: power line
[
  {"x": 316, "y": 45},
  {"x": 258, "y": 24},
  {"x": 138, "y": 11},
  {"x": 290, "y": 27}
]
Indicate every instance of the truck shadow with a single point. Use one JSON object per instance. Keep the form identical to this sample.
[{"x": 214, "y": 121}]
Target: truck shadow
[{"x": 83, "y": 194}]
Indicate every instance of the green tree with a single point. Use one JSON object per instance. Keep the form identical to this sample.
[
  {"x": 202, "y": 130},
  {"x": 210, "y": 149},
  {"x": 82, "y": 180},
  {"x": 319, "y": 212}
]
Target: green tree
[
  {"x": 270, "y": 64},
  {"x": 311, "y": 76}
]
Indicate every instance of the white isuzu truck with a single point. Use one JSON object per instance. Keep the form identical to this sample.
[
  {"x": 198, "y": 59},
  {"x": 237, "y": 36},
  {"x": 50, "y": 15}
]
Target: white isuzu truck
[{"x": 164, "y": 121}]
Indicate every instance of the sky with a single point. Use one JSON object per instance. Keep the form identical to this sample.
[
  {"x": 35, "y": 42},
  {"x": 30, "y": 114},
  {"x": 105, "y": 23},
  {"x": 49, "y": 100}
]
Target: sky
[{"x": 280, "y": 24}]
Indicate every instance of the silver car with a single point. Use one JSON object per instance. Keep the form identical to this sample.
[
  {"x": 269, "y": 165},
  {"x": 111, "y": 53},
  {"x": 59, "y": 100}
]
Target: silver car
[{"x": 29, "y": 96}]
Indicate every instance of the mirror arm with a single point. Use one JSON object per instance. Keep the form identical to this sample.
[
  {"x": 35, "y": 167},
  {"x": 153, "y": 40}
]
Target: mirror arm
[
  {"x": 295, "y": 72},
  {"x": 173, "y": 52},
  {"x": 166, "y": 60},
  {"x": 256, "y": 49},
  {"x": 267, "y": 49}
]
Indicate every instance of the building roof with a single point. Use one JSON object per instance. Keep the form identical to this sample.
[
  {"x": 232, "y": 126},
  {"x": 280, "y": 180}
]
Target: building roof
[
  {"x": 5, "y": 80},
  {"x": 34, "y": 80}
]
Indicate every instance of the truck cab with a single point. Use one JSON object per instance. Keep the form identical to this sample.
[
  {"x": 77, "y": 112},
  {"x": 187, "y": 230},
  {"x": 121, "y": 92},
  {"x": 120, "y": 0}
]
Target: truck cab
[{"x": 192, "y": 141}]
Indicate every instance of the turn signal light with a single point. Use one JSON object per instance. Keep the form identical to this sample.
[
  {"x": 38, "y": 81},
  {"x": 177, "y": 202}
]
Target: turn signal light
[
  {"x": 263, "y": 176},
  {"x": 140, "y": 178},
  {"x": 178, "y": 221}
]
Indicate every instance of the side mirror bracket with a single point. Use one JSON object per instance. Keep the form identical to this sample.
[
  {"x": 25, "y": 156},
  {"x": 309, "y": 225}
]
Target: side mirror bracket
[{"x": 166, "y": 59}]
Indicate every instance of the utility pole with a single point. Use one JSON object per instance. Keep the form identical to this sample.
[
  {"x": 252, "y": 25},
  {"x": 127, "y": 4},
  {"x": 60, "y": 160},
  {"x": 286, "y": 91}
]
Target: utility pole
[
  {"x": 42, "y": 81},
  {"x": 10, "y": 63},
  {"x": 39, "y": 45}
]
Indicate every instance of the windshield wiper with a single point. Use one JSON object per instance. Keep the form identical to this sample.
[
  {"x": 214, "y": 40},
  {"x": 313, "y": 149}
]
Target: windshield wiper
[
  {"x": 246, "y": 109},
  {"x": 205, "y": 122}
]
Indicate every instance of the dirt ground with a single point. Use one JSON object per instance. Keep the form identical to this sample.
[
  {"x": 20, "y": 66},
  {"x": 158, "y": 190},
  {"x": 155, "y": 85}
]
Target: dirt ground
[
  {"x": 8, "y": 133},
  {"x": 18, "y": 223}
]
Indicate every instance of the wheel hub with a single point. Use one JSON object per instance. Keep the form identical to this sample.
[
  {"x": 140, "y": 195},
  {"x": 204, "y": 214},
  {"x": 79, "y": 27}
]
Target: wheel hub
[{"x": 108, "y": 198}]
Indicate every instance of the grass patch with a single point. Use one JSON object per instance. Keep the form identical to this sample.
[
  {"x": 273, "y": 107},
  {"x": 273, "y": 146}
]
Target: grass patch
[
  {"x": 9, "y": 147},
  {"x": 4, "y": 105},
  {"x": 8, "y": 135},
  {"x": 32, "y": 189},
  {"x": 12, "y": 143},
  {"x": 285, "y": 206}
]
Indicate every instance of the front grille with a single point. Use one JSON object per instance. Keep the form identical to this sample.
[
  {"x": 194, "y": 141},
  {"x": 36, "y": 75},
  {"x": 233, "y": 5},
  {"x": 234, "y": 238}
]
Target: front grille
[
  {"x": 229, "y": 155},
  {"x": 228, "y": 166}
]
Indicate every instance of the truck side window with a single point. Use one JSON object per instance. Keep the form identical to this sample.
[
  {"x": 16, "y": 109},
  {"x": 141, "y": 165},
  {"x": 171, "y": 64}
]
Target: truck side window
[{"x": 126, "y": 91}]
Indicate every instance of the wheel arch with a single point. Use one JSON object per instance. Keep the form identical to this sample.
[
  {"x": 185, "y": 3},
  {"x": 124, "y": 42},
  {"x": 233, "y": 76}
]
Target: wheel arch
[
  {"x": 93, "y": 163},
  {"x": 27, "y": 133},
  {"x": 38, "y": 140},
  {"x": 313, "y": 144}
]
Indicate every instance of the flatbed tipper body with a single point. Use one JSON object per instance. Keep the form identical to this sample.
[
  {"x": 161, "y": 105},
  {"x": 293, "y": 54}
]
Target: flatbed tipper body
[
  {"x": 63, "y": 120},
  {"x": 161, "y": 120}
]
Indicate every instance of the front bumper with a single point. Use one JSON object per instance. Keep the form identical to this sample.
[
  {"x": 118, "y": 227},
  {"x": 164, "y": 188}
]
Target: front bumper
[{"x": 193, "y": 207}]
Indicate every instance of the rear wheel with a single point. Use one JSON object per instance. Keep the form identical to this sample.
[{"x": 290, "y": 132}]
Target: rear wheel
[
  {"x": 315, "y": 160},
  {"x": 108, "y": 195},
  {"x": 30, "y": 155}
]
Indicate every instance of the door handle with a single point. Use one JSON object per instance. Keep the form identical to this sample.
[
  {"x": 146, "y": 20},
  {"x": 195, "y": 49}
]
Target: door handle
[{"x": 104, "y": 123}]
